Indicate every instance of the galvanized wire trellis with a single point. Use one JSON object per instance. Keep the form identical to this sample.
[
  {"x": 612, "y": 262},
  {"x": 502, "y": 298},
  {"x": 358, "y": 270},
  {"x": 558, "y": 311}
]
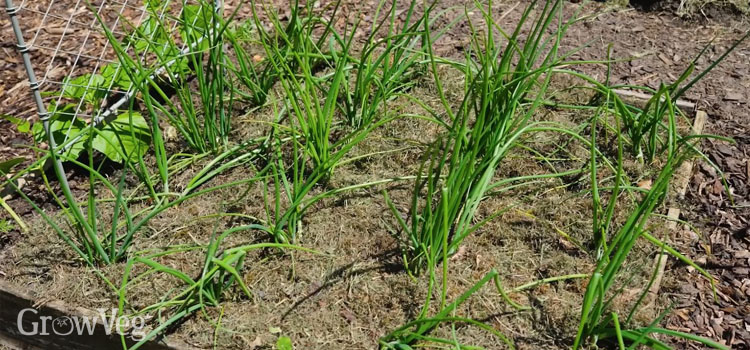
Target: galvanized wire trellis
[{"x": 68, "y": 50}]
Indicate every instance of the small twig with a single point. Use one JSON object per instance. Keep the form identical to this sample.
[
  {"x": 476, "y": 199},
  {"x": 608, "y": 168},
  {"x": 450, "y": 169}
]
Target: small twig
[{"x": 640, "y": 98}]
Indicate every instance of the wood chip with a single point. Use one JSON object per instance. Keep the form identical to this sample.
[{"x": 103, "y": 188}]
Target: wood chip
[
  {"x": 645, "y": 184},
  {"x": 733, "y": 96},
  {"x": 664, "y": 59}
]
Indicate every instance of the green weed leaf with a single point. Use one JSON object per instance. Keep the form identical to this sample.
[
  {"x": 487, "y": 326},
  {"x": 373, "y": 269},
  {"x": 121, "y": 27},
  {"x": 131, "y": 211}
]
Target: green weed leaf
[
  {"x": 117, "y": 76},
  {"x": 87, "y": 87},
  {"x": 22, "y": 125},
  {"x": 5, "y": 226},
  {"x": 284, "y": 343},
  {"x": 64, "y": 126},
  {"x": 7, "y": 166},
  {"x": 124, "y": 138}
]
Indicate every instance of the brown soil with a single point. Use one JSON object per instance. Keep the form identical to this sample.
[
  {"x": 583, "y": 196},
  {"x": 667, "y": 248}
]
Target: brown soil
[{"x": 356, "y": 291}]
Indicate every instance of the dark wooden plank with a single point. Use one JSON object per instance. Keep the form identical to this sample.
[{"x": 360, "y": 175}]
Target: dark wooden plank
[{"x": 13, "y": 301}]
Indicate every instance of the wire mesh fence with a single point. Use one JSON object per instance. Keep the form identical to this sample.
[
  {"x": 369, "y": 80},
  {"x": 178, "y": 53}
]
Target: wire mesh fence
[
  {"x": 72, "y": 57},
  {"x": 74, "y": 50}
]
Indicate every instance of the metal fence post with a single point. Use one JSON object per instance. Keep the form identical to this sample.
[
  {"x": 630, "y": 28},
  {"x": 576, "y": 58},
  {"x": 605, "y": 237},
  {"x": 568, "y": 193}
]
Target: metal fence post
[{"x": 44, "y": 115}]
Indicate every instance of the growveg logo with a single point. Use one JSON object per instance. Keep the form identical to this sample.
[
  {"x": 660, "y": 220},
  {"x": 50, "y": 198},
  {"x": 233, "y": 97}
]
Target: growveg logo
[{"x": 30, "y": 323}]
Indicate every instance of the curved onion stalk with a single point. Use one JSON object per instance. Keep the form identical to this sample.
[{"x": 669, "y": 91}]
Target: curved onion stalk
[{"x": 418, "y": 330}]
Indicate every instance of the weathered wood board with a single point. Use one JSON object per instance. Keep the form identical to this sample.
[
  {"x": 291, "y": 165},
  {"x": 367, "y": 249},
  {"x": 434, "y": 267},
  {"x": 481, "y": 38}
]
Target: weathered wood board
[{"x": 39, "y": 319}]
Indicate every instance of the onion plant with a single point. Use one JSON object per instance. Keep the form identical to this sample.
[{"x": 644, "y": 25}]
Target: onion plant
[
  {"x": 279, "y": 45},
  {"x": 199, "y": 54},
  {"x": 494, "y": 115},
  {"x": 204, "y": 28},
  {"x": 84, "y": 234},
  {"x": 297, "y": 167},
  {"x": 646, "y": 128},
  {"x": 417, "y": 333},
  {"x": 101, "y": 242},
  {"x": 391, "y": 60},
  {"x": 257, "y": 77},
  {"x": 311, "y": 123},
  {"x": 307, "y": 120},
  {"x": 221, "y": 272},
  {"x": 598, "y": 320},
  {"x": 93, "y": 242}
]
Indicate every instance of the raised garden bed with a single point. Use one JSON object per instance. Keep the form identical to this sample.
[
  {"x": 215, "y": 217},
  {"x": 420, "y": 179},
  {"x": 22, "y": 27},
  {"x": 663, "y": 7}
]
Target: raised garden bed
[{"x": 302, "y": 193}]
